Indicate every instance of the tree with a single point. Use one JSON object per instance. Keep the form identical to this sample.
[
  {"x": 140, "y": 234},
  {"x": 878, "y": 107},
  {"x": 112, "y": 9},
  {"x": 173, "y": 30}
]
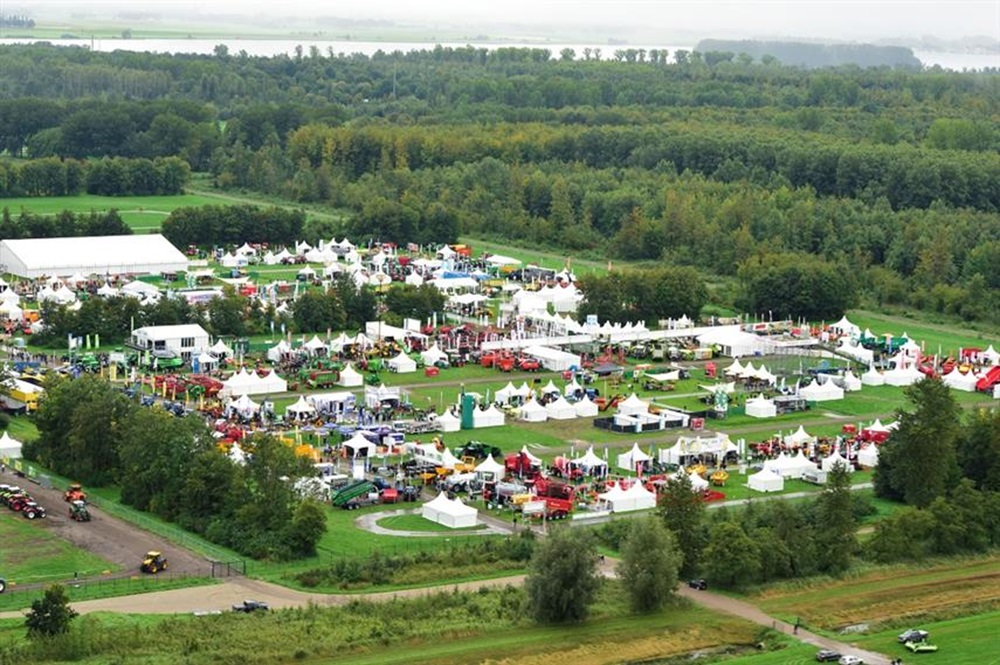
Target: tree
[
  {"x": 683, "y": 513},
  {"x": 306, "y": 528},
  {"x": 836, "y": 528},
  {"x": 650, "y": 563},
  {"x": 978, "y": 450},
  {"x": 51, "y": 614},
  {"x": 921, "y": 453},
  {"x": 902, "y": 536},
  {"x": 562, "y": 577},
  {"x": 732, "y": 558}
]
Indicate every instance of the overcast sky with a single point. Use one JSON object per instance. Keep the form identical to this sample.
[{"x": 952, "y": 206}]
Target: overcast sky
[{"x": 830, "y": 19}]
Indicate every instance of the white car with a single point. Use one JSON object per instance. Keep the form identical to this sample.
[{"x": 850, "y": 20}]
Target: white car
[{"x": 850, "y": 660}]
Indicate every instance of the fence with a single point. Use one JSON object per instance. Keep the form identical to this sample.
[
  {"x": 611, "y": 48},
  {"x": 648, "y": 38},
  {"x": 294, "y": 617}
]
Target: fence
[{"x": 97, "y": 587}]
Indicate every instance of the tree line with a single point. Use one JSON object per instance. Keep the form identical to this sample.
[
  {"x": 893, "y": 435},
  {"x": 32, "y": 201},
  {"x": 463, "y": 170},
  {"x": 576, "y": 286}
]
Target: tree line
[
  {"x": 65, "y": 224},
  {"x": 211, "y": 225},
  {"x": 173, "y": 468},
  {"x": 117, "y": 176}
]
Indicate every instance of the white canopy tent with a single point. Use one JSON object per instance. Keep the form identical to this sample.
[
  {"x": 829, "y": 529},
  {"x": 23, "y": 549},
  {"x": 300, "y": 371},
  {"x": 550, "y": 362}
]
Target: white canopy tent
[
  {"x": 821, "y": 392},
  {"x": 964, "y": 382},
  {"x": 448, "y": 422},
  {"x": 868, "y": 455},
  {"x": 873, "y": 377},
  {"x": 491, "y": 417},
  {"x": 451, "y": 513},
  {"x": 761, "y": 407},
  {"x": 692, "y": 446},
  {"x": 829, "y": 462},
  {"x": 533, "y": 412},
  {"x": 490, "y": 469},
  {"x": 359, "y": 446},
  {"x": 766, "y": 481},
  {"x": 402, "y": 364},
  {"x": 243, "y": 406},
  {"x": 586, "y": 408},
  {"x": 433, "y": 355},
  {"x": 851, "y": 382},
  {"x": 790, "y": 467},
  {"x": 799, "y": 438},
  {"x": 10, "y": 448},
  {"x": 591, "y": 464},
  {"x": 506, "y": 394},
  {"x": 631, "y": 459},
  {"x": 905, "y": 376},
  {"x": 300, "y": 409},
  {"x": 350, "y": 377},
  {"x": 278, "y": 351},
  {"x": 633, "y": 406},
  {"x": 560, "y": 409}
]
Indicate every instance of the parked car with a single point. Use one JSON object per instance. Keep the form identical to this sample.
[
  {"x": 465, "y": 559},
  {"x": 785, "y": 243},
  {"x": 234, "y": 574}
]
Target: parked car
[
  {"x": 699, "y": 584},
  {"x": 251, "y": 606},
  {"x": 827, "y": 656},
  {"x": 913, "y": 635},
  {"x": 921, "y": 647},
  {"x": 850, "y": 660}
]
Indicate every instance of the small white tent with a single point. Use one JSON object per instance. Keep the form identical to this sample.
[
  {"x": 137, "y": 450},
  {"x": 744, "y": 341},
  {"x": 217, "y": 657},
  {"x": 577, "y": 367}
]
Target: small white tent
[
  {"x": 833, "y": 460},
  {"x": 761, "y": 407},
  {"x": 451, "y": 513},
  {"x": 641, "y": 498},
  {"x": 533, "y": 412},
  {"x": 822, "y": 392},
  {"x": 402, "y": 364},
  {"x": 586, "y": 408},
  {"x": 491, "y": 417},
  {"x": 868, "y": 455},
  {"x": 631, "y": 459},
  {"x": 349, "y": 377},
  {"x": 447, "y": 422},
  {"x": 964, "y": 382},
  {"x": 873, "y": 377},
  {"x": 359, "y": 446},
  {"x": 9, "y": 448},
  {"x": 490, "y": 469},
  {"x": 632, "y": 406},
  {"x": 301, "y": 408},
  {"x": 560, "y": 410},
  {"x": 433, "y": 355},
  {"x": 766, "y": 481}
]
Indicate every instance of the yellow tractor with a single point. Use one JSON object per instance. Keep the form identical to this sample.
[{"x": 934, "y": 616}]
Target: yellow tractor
[{"x": 153, "y": 563}]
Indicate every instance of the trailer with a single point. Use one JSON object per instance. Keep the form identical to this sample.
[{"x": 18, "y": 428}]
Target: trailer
[{"x": 351, "y": 496}]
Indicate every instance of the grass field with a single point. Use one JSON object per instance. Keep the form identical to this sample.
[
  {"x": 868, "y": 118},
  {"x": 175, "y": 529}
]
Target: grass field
[
  {"x": 889, "y": 597},
  {"x": 970, "y": 640},
  {"x": 30, "y": 553},
  {"x": 143, "y": 213},
  {"x": 933, "y": 336},
  {"x": 418, "y": 523}
]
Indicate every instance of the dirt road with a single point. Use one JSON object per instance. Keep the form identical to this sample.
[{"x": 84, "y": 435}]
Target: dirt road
[{"x": 113, "y": 539}]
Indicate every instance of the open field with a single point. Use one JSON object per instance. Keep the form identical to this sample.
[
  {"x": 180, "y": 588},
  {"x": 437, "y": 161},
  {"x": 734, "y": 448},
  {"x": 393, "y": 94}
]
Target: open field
[
  {"x": 143, "y": 213},
  {"x": 970, "y": 640},
  {"x": 32, "y": 554},
  {"x": 933, "y": 336},
  {"x": 889, "y": 596}
]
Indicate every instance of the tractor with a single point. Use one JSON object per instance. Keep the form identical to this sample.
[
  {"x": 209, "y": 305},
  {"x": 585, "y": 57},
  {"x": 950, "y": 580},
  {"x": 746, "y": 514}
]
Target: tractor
[
  {"x": 32, "y": 510},
  {"x": 153, "y": 563},
  {"x": 74, "y": 493},
  {"x": 78, "y": 511}
]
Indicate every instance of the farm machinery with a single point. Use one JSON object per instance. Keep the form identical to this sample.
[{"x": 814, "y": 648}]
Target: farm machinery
[
  {"x": 74, "y": 493},
  {"x": 78, "y": 511},
  {"x": 153, "y": 562}
]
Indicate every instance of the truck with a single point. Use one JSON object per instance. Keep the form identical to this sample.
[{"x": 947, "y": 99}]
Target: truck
[{"x": 352, "y": 495}]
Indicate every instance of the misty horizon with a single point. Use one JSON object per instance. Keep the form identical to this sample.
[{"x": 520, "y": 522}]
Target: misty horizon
[{"x": 653, "y": 21}]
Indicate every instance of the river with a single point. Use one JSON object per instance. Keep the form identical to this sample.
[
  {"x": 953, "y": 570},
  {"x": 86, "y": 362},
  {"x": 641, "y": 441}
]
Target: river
[{"x": 272, "y": 47}]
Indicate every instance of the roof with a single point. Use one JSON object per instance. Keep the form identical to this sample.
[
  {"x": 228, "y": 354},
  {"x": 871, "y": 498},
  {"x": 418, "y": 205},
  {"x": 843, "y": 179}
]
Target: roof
[
  {"x": 172, "y": 332},
  {"x": 93, "y": 254}
]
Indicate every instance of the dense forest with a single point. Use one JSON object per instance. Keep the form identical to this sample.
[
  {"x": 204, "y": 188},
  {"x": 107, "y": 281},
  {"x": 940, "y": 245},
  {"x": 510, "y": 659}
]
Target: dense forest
[{"x": 887, "y": 178}]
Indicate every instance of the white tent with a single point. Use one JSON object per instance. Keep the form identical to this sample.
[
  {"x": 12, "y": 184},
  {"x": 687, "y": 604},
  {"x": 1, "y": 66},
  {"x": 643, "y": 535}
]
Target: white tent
[
  {"x": 490, "y": 469},
  {"x": 533, "y": 412},
  {"x": 220, "y": 349},
  {"x": 642, "y": 498},
  {"x": 868, "y": 455},
  {"x": 632, "y": 458},
  {"x": 690, "y": 446},
  {"x": 905, "y": 376},
  {"x": 833, "y": 460},
  {"x": 586, "y": 408},
  {"x": 591, "y": 463},
  {"x": 237, "y": 455},
  {"x": 491, "y": 417},
  {"x": 821, "y": 392},
  {"x": 761, "y": 407},
  {"x": 402, "y": 364},
  {"x": 560, "y": 410},
  {"x": 451, "y": 513},
  {"x": 851, "y": 382},
  {"x": 314, "y": 345},
  {"x": 991, "y": 356},
  {"x": 698, "y": 484},
  {"x": 300, "y": 408},
  {"x": 414, "y": 279},
  {"x": 799, "y": 438},
  {"x": 107, "y": 291},
  {"x": 615, "y": 498},
  {"x": 845, "y": 327},
  {"x": 243, "y": 405},
  {"x": 766, "y": 481},
  {"x": 279, "y": 350},
  {"x": 790, "y": 467},
  {"x": 632, "y": 406},
  {"x": 359, "y": 446},
  {"x": 873, "y": 377},
  {"x": 965, "y": 382},
  {"x": 433, "y": 355},
  {"x": 448, "y": 422},
  {"x": 349, "y": 377},
  {"x": 572, "y": 388},
  {"x": 550, "y": 389},
  {"x": 506, "y": 394},
  {"x": 9, "y": 448},
  {"x": 736, "y": 369},
  {"x": 207, "y": 360}
]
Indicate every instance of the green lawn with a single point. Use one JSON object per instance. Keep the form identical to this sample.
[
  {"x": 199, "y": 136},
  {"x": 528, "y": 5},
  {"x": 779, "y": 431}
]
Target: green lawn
[
  {"x": 970, "y": 640},
  {"x": 933, "y": 336},
  {"x": 418, "y": 523},
  {"x": 143, "y": 213},
  {"x": 31, "y": 553}
]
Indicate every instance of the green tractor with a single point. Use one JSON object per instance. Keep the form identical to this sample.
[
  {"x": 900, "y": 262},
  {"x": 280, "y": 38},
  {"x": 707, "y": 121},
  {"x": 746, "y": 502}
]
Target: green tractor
[{"x": 78, "y": 511}]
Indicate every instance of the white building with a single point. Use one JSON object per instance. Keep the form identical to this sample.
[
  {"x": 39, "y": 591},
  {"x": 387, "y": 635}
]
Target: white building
[
  {"x": 184, "y": 340},
  {"x": 91, "y": 255}
]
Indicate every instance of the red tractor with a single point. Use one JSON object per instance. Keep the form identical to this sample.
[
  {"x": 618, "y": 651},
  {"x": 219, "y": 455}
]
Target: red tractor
[{"x": 528, "y": 364}]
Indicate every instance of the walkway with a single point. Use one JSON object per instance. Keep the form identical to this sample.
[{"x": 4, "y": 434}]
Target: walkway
[{"x": 369, "y": 522}]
